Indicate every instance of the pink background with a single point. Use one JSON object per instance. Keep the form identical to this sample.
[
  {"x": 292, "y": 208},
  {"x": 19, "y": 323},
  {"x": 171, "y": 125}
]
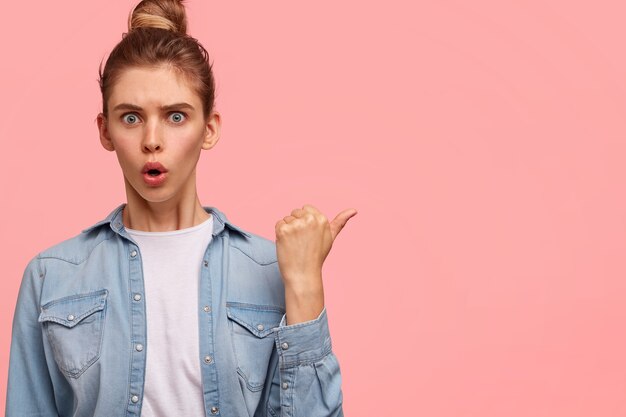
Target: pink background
[{"x": 482, "y": 142}]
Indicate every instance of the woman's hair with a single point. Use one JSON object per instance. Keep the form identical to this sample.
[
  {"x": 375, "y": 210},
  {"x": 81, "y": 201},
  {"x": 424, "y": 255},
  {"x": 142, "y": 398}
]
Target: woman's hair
[{"x": 157, "y": 35}]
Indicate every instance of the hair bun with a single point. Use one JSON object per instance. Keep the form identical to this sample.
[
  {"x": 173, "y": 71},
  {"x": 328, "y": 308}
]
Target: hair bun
[{"x": 162, "y": 14}]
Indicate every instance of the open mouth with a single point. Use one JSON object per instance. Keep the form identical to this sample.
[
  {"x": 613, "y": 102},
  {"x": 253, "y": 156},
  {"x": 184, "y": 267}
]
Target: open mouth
[
  {"x": 154, "y": 173},
  {"x": 153, "y": 168}
]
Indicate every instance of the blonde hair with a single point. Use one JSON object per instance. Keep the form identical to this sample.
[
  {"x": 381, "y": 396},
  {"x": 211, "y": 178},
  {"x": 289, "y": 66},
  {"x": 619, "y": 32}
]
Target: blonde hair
[
  {"x": 168, "y": 15},
  {"x": 157, "y": 35}
]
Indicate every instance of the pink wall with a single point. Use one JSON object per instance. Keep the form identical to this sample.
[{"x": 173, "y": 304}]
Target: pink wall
[{"x": 482, "y": 142}]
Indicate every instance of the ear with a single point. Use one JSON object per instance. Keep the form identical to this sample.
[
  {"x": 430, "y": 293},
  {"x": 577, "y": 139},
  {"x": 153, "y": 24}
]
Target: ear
[
  {"x": 212, "y": 131},
  {"x": 105, "y": 138}
]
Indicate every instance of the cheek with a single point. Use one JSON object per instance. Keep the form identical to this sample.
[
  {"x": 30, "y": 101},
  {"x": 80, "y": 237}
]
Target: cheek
[
  {"x": 126, "y": 141},
  {"x": 189, "y": 144},
  {"x": 121, "y": 140},
  {"x": 123, "y": 152}
]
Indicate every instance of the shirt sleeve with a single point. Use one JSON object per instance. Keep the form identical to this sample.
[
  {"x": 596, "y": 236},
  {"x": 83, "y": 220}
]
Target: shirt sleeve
[
  {"x": 29, "y": 388},
  {"x": 309, "y": 374}
]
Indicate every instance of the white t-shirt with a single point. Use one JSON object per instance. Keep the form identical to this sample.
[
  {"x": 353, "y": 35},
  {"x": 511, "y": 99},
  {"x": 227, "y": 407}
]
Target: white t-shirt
[{"x": 171, "y": 268}]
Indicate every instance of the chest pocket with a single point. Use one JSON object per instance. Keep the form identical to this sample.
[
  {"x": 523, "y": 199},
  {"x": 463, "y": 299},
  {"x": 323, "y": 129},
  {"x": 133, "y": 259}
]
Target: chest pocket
[
  {"x": 74, "y": 326},
  {"x": 251, "y": 328}
]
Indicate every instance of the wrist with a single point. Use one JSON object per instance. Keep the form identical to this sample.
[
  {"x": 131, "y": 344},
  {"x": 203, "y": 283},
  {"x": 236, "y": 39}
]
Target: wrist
[{"x": 303, "y": 303}]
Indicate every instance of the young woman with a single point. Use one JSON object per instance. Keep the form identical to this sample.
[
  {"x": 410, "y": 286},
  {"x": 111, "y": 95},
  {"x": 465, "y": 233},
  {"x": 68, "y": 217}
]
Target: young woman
[{"x": 165, "y": 307}]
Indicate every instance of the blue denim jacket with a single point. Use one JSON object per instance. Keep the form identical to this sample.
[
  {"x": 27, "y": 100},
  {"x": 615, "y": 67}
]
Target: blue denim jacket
[{"x": 80, "y": 315}]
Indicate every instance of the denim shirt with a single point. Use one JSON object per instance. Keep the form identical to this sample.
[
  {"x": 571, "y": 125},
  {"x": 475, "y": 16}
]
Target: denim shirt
[{"x": 79, "y": 331}]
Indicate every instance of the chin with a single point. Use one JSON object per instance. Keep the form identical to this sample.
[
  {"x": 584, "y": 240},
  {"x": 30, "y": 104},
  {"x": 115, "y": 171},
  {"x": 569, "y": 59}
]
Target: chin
[
  {"x": 156, "y": 196},
  {"x": 152, "y": 194}
]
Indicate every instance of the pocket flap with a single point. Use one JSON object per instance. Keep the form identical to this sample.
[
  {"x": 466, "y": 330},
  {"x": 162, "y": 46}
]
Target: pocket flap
[
  {"x": 69, "y": 311},
  {"x": 260, "y": 320}
]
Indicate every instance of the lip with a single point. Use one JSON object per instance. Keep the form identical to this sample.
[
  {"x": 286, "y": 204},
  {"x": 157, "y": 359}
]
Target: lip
[
  {"x": 154, "y": 180},
  {"x": 153, "y": 165}
]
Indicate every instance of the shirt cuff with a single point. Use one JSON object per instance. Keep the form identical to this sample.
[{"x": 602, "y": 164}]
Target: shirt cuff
[{"x": 305, "y": 342}]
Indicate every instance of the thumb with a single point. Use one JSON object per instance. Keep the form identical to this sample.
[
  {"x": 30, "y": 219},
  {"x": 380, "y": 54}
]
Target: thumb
[{"x": 340, "y": 221}]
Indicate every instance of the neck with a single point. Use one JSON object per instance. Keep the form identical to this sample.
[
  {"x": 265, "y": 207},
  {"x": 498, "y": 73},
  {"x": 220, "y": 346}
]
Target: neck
[{"x": 179, "y": 212}]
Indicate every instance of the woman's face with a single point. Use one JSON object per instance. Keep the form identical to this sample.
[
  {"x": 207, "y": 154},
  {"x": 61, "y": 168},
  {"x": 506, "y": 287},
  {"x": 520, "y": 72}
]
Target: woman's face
[{"x": 156, "y": 127}]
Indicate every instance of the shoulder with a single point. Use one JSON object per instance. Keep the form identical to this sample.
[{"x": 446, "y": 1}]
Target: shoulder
[
  {"x": 258, "y": 248},
  {"x": 61, "y": 263},
  {"x": 77, "y": 249}
]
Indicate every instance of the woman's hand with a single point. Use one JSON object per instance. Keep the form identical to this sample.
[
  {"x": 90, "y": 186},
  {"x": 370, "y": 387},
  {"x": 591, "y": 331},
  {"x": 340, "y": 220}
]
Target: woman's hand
[{"x": 303, "y": 241}]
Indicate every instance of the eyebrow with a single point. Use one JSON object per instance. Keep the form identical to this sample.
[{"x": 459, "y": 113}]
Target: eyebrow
[{"x": 175, "y": 106}]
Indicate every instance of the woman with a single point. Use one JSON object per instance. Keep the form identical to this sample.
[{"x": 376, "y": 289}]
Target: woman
[{"x": 165, "y": 308}]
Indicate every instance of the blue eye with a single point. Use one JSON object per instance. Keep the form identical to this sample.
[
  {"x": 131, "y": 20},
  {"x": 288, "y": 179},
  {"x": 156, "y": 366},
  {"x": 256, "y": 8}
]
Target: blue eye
[
  {"x": 130, "y": 118},
  {"x": 177, "y": 117}
]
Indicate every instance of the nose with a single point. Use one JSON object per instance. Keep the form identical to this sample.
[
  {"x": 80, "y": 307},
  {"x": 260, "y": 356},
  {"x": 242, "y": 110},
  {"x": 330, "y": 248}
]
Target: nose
[{"x": 152, "y": 139}]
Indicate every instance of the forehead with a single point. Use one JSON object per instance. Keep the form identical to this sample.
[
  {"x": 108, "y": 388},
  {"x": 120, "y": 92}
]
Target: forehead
[{"x": 156, "y": 86}]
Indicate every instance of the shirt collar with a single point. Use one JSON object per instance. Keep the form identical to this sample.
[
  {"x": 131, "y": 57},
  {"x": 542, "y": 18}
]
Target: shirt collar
[{"x": 114, "y": 219}]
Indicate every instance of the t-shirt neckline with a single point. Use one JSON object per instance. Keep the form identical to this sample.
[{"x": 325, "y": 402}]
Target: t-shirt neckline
[{"x": 185, "y": 230}]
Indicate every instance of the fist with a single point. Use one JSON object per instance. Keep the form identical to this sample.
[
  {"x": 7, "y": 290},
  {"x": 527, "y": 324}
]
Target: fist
[{"x": 303, "y": 240}]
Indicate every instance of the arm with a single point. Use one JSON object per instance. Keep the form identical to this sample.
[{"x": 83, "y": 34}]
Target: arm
[
  {"x": 309, "y": 381},
  {"x": 29, "y": 389}
]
